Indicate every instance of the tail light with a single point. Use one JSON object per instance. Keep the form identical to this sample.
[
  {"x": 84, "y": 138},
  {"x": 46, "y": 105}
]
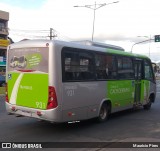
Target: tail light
[
  {"x": 39, "y": 113},
  {"x": 52, "y": 98},
  {"x": 13, "y": 108},
  {"x": 7, "y": 93}
]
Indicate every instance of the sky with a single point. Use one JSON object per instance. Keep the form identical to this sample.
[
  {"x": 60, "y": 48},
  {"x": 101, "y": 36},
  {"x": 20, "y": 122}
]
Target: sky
[{"x": 124, "y": 23}]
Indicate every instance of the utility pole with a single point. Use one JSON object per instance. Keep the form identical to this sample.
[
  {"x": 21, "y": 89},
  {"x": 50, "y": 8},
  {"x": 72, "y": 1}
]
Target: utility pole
[
  {"x": 51, "y": 31},
  {"x": 51, "y": 34}
]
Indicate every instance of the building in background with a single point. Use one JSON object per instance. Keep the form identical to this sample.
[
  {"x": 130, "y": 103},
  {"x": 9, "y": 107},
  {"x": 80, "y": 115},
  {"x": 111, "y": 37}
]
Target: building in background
[{"x": 4, "y": 42}]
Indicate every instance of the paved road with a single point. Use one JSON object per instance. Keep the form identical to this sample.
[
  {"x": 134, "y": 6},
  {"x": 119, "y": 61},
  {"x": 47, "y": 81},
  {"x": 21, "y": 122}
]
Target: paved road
[{"x": 128, "y": 126}]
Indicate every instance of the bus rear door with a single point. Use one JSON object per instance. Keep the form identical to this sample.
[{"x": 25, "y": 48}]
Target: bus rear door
[{"x": 138, "y": 81}]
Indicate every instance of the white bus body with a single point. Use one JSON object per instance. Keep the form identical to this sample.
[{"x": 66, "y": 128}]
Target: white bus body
[{"x": 48, "y": 85}]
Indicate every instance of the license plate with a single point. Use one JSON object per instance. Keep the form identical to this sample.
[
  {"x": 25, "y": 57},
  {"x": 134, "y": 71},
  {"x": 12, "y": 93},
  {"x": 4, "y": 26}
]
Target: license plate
[{"x": 25, "y": 113}]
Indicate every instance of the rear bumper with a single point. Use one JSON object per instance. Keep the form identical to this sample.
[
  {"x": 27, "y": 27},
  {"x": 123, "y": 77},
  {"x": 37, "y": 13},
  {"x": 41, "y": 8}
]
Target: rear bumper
[{"x": 52, "y": 115}]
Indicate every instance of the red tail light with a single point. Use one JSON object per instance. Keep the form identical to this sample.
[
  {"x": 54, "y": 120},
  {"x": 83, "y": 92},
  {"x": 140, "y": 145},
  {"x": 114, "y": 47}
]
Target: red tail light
[
  {"x": 39, "y": 113},
  {"x": 26, "y": 70},
  {"x": 52, "y": 98},
  {"x": 7, "y": 93},
  {"x": 13, "y": 108}
]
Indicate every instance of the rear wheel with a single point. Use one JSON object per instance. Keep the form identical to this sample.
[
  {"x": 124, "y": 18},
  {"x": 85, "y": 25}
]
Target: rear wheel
[{"x": 104, "y": 113}]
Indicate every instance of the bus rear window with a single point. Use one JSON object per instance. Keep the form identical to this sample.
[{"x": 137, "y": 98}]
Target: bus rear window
[{"x": 28, "y": 59}]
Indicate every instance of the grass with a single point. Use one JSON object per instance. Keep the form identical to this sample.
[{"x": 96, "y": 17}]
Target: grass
[{"x": 2, "y": 90}]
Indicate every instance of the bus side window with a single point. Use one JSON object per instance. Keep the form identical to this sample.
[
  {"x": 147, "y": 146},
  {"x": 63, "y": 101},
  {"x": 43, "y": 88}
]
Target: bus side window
[
  {"x": 125, "y": 68},
  {"x": 86, "y": 68},
  {"x": 101, "y": 68},
  {"x": 148, "y": 71},
  {"x": 111, "y": 67},
  {"x": 77, "y": 65},
  {"x": 105, "y": 67}
]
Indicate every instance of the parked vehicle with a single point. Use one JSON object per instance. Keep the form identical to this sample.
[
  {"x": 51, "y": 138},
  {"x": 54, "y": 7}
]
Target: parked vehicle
[{"x": 2, "y": 80}]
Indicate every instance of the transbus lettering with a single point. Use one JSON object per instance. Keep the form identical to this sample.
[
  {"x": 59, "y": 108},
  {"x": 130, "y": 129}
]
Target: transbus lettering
[{"x": 119, "y": 90}]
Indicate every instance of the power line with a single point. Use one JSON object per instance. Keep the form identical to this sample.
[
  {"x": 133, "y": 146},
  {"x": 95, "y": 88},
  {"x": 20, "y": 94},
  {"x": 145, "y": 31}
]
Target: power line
[
  {"x": 52, "y": 33},
  {"x": 29, "y": 36},
  {"x": 22, "y": 30},
  {"x": 29, "y": 33}
]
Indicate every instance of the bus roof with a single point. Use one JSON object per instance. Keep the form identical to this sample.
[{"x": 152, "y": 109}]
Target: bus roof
[
  {"x": 98, "y": 44},
  {"x": 36, "y": 43},
  {"x": 102, "y": 49},
  {"x": 126, "y": 53}
]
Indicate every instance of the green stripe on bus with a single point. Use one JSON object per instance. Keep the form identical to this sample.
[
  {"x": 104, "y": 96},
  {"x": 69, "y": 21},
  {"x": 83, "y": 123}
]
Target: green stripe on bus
[{"x": 120, "y": 93}]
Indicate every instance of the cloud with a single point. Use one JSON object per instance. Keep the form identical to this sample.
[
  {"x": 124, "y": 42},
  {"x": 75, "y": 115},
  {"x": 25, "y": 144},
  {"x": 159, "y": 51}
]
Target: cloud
[{"x": 120, "y": 23}]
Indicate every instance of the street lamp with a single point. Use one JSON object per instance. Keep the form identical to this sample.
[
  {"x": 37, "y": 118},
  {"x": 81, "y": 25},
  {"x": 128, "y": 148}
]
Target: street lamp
[
  {"x": 138, "y": 43},
  {"x": 94, "y": 7},
  {"x": 148, "y": 40}
]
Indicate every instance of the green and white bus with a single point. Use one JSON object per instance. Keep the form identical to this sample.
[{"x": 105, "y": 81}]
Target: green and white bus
[{"x": 61, "y": 81}]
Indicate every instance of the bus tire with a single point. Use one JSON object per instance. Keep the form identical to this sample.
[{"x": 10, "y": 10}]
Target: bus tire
[
  {"x": 148, "y": 105},
  {"x": 103, "y": 113}
]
